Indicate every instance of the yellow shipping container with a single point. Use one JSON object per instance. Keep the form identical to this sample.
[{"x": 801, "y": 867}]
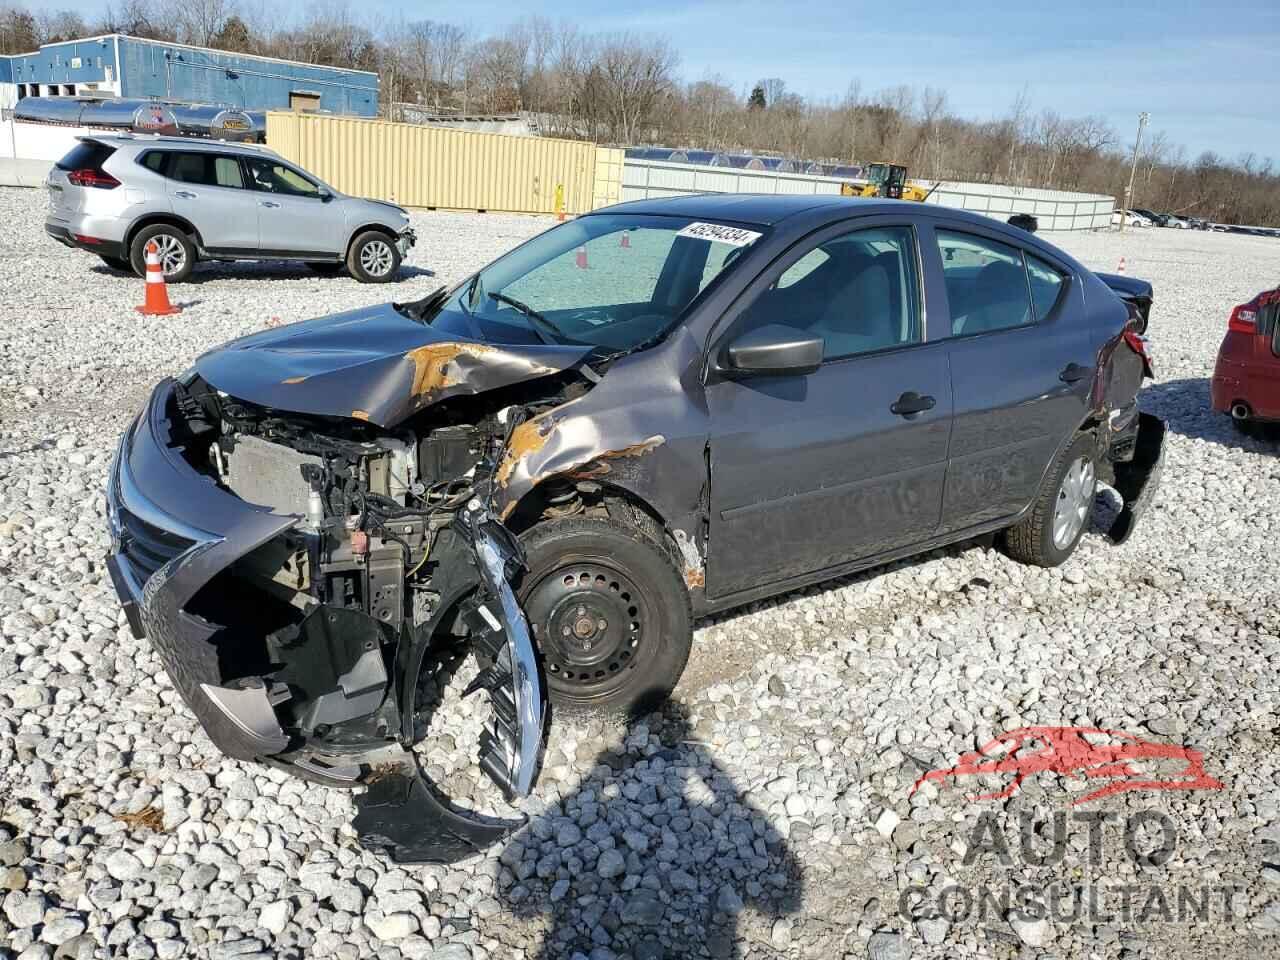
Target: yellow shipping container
[{"x": 420, "y": 166}]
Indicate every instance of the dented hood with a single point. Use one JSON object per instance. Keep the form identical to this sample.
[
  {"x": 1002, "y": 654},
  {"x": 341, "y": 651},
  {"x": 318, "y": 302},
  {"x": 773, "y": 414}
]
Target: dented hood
[{"x": 371, "y": 364}]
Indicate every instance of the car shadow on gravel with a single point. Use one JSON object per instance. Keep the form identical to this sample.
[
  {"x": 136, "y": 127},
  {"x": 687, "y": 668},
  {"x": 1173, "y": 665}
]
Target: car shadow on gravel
[
  {"x": 656, "y": 852},
  {"x": 263, "y": 270},
  {"x": 1185, "y": 406}
]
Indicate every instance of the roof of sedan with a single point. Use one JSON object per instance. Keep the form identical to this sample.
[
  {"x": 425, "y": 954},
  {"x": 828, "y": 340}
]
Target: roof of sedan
[{"x": 757, "y": 208}]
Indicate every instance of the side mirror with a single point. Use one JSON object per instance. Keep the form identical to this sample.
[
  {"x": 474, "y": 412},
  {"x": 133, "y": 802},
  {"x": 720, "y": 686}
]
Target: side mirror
[
  {"x": 325, "y": 195},
  {"x": 772, "y": 350}
]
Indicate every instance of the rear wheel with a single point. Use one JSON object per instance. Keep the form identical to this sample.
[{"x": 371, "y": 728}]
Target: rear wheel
[
  {"x": 177, "y": 255},
  {"x": 609, "y": 613},
  {"x": 373, "y": 258},
  {"x": 1048, "y": 535}
]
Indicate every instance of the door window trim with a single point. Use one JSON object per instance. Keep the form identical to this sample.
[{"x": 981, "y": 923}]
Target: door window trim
[{"x": 731, "y": 319}]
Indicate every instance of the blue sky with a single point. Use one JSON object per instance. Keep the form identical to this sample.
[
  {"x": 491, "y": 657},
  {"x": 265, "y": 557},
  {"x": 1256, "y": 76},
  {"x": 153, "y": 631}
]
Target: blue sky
[{"x": 1205, "y": 72}]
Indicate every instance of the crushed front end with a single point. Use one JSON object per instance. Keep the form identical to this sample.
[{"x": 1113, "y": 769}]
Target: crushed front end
[{"x": 296, "y": 573}]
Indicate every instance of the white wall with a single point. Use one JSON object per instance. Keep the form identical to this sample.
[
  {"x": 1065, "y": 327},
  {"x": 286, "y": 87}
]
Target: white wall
[
  {"x": 1055, "y": 209},
  {"x": 28, "y": 150}
]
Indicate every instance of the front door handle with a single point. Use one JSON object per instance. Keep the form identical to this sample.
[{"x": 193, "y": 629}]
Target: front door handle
[
  {"x": 1073, "y": 372},
  {"x": 184, "y": 194},
  {"x": 269, "y": 203},
  {"x": 911, "y": 403}
]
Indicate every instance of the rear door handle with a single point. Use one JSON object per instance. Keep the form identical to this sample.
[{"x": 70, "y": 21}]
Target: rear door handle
[
  {"x": 1073, "y": 372},
  {"x": 269, "y": 203},
  {"x": 912, "y": 403},
  {"x": 184, "y": 194}
]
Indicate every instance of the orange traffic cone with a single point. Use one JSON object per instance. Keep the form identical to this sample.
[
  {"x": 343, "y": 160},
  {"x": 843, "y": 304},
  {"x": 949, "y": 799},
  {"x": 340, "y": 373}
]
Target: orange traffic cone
[
  {"x": 157, "y": 302},
  {"x": 1120, "y": 266},
  {"x": 581, "y": 258},
  {"x": 625, "y": 244}
]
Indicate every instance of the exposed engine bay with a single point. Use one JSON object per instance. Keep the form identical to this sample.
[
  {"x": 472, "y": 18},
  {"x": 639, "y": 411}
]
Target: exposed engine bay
[{"x": 394, "y": 560}]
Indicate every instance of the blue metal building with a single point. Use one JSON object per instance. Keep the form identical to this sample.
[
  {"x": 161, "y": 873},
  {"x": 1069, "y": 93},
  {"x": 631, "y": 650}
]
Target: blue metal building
[{"x": 125, "y": 66}]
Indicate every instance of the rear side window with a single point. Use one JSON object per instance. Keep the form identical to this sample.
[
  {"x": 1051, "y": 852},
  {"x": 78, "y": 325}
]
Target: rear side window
[
  {"x": 86, "y": 155},
  {"x": 986, "y": 284},
  {"x": 1046, "y": 285},
  {"x": 207, "y": 169},
  {"x": 155, "y": 161}
]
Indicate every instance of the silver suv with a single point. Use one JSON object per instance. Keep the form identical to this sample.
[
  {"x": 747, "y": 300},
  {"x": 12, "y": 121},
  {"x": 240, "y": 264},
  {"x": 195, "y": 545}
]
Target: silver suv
[{"x": 210, "y": 200}]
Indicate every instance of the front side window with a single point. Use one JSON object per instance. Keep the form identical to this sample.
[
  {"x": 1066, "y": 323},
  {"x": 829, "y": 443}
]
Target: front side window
[
  {"x": 271, "y": 176},
  {"x": 613, "y": 281},
  {"x": 206, "y": 169},
  {"x": 859, "y": 292},
  {"x": 986, "y": 284}
]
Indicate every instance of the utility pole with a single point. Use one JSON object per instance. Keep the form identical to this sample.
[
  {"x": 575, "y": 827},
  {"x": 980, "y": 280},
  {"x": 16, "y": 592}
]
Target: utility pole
[{"x": 1128, "y": 191}]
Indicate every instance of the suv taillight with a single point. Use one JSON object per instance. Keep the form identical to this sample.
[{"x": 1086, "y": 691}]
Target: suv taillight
[
  {"x": 88, "y": 177},
  {"x": 1243, "y": 318}
]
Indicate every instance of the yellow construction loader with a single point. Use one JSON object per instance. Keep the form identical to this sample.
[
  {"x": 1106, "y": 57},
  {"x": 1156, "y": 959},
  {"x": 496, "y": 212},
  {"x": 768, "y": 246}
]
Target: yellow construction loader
[{"x": 888, "y": 180}]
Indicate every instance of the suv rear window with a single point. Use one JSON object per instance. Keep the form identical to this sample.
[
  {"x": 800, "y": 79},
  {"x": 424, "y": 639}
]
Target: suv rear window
[
  {"x": 208, "y": 169},
  {"x": 86, "y": 155}
]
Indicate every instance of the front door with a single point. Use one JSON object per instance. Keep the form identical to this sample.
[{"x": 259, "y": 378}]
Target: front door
[
  {"x": 809, "y": 472},
  {"x": 295, "y": 217}
]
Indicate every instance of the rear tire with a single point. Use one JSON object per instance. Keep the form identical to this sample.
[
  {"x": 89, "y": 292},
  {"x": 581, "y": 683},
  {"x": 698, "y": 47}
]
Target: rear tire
[
  {"x": 1063, "y": 508},
  {"x": 609, "y": 612},
  {"x": 326, "y": 269},
  {"x": 373, "y": 257},
  {"x": 177, "y": 254}
]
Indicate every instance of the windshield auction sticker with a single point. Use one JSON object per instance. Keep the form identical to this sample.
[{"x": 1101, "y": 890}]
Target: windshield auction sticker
[{"x": 735, "y": 236}]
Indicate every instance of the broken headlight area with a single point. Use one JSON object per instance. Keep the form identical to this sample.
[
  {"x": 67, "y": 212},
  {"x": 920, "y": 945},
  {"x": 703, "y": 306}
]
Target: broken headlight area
[{"x": 304, "y": 647}]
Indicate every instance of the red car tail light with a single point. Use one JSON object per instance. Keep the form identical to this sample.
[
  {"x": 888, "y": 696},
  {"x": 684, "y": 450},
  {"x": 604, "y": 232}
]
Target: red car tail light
[
  {"x": 1243, "y": 318},
  {"x": 1139, "y": 346},
  {"x": 89, "y": 177}
]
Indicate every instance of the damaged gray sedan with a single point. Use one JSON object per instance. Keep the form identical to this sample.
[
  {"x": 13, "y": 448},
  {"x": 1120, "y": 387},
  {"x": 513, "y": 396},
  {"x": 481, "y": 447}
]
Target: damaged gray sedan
[{"x": 656, "y": 411}]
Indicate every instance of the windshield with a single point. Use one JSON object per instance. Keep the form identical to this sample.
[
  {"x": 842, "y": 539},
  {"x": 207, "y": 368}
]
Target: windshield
[{"x": 612, "y": 281}]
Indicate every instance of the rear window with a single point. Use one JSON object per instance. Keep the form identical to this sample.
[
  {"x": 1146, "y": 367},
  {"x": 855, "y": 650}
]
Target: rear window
[
  {"x": 154, "y": 161},
  {"x": 86, "y": 155},
  {"x": 207, "y": 169}
]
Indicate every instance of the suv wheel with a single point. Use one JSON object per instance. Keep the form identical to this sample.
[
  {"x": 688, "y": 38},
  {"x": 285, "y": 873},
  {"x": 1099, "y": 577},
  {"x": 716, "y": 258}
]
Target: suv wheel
[
  {"x": 1048, "y": 535},
  {"x": 177, "y": 255},
  {"x": 609, "y": 613},
  {"x": 373, "y": 258}
]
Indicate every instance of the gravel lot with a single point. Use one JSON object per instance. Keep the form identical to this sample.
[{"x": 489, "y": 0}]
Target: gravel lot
[{"x": 766, "y": 813}]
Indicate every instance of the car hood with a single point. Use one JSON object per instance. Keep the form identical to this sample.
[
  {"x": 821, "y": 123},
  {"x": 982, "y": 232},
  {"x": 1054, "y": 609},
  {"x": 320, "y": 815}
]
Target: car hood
[{"x": 372, "y": 364}]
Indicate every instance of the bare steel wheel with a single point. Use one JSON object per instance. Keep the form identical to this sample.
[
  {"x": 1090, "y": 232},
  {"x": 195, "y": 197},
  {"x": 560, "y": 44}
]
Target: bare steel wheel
[{"x": 608, "y": 612}]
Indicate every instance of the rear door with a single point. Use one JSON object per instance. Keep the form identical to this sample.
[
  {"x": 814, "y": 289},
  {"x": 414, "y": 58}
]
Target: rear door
[
  {"x": 1022, "y": 364},
  {"x": 208, "y": 189},
  {"x": 294, "y": 216},
  {"x": 809, "y": 472}
]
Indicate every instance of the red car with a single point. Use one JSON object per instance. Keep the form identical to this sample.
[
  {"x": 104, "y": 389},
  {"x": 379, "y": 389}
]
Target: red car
[{"x": 1246, "y": 381}]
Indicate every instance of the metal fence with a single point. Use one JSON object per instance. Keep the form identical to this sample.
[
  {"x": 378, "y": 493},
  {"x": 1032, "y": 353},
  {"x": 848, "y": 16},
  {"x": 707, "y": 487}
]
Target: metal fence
[{"x": 1055, "y": 209}]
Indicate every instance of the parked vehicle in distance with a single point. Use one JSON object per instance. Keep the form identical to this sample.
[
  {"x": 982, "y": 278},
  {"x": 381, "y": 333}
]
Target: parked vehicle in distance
[
  {"x": 657, "y": 411},
  {"x": 1153, "y": 219},
  {"x": 1133, "y": 219},
  {"x": 1246, "y": 378},
  {"x": 212, "y": 200},
  {"x": 1176, "y": 222}
]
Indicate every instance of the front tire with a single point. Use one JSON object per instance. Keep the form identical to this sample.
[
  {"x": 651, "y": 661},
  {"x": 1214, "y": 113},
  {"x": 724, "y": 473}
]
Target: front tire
[
  {"x": 609, "y": 612},
  {"x": 373, "y": 258},
  {"x": 1063, "y": 508},
  {"x": 177, "y": 254}
]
